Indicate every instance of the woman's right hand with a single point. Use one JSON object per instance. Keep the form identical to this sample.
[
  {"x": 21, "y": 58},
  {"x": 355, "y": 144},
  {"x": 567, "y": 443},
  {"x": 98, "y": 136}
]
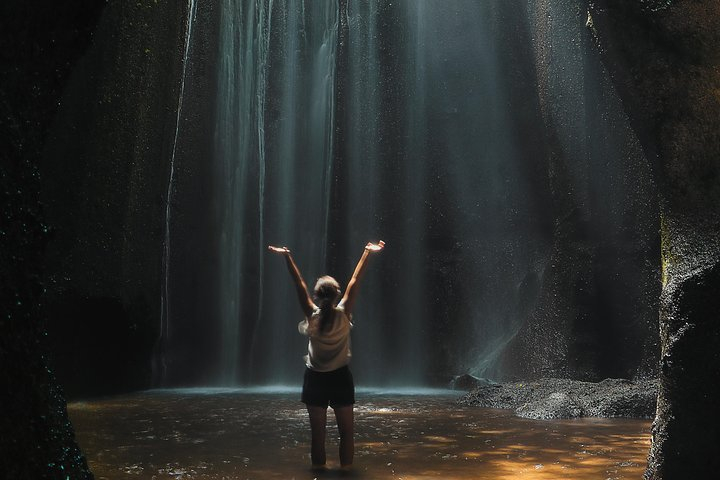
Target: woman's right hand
[
  {"x": 375, "y": 247},
  {"x": 280, "y": 250}
]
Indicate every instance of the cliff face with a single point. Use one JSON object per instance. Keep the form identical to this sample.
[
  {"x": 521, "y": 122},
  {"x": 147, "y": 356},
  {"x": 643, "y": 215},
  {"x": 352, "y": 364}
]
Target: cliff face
[
  {"x": 104, "y": 178},
  {"x": 39, "y": 44},
  {"x": 88, "y": 99},
  {"x": 664, "y": 60},
  {"x": 596, "y": 311},
  {"x": 106, "y": 174}
]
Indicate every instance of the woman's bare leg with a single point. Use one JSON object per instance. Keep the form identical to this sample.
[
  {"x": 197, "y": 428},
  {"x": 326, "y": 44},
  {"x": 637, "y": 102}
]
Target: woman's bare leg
[
  {"x": 318, "y": 425},
  {"x": 344, "y": 417}
]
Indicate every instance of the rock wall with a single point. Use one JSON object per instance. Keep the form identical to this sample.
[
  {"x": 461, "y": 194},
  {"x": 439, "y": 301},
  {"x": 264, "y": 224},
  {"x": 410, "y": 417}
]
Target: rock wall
[
  {"x": 39, "y": 44},
  {"x": 596, "y": 313},
  {"x": 664, "y": 60},
  {"x": 89, "y": 107},
  {"x": 105, "y": 175}
]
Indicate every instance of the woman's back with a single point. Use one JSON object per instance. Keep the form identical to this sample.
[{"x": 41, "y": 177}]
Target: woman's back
[{"x": 328, "y": 347}]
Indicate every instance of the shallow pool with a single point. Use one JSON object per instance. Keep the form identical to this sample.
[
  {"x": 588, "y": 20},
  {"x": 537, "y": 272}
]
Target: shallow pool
[{"x": 264, "y": 434}]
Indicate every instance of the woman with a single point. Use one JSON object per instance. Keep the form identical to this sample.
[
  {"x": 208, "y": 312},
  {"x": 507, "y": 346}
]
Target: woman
[{"x": 328, "y": 380}]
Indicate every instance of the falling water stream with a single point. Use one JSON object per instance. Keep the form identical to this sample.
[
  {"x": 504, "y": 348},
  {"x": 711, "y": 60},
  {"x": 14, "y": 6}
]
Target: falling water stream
[
  {"x": 273, "y": 192},
  {"x": 160, "y": 365}
]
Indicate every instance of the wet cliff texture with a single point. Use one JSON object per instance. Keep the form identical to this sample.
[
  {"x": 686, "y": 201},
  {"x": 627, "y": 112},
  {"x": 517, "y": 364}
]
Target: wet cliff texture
[
  {"x": 106, "y": 180},
  {"x": 39, "y": 44},
  {"x": 664, "y": 60},
  {"x": 595, "y": 316},
  {"x": 89, "y": 97}
]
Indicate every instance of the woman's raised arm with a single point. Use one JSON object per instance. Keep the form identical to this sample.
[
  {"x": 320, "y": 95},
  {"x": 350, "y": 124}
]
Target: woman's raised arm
[
  {"x": 348, "y": 300},
  {"x": 306, "y": 303}
]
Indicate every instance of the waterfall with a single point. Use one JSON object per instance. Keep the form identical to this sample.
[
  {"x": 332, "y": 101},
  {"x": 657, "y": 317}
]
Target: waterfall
[
  {"x": 407, "y": 175},
  {"x": 237, "y": 148},
  {"x": 265, "y": 21},
  {"x": 416, "y": 122},
  {"x": 160, "y": 371},
  {"x": 259, "y": 159}
]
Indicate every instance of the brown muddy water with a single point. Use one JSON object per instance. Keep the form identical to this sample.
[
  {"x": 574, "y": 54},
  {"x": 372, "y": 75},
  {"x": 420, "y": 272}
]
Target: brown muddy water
[{"x": 412, "y": 435}]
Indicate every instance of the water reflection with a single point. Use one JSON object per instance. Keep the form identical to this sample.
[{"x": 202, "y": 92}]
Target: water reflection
[{"x": 240, "y": 435}]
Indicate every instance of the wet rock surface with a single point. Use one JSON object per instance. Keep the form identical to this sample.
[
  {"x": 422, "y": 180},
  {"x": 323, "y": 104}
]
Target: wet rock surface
[
  {"x": 58, "y": 180},
  {"x": 108, "y": 154},
  {"x": 469, "y": 382},
  {"x": 39, "y": 42},
  {"x": 561, "y": 398},
  {"x": 603, "y": 264},
  {"x": 663, "y": 58}
]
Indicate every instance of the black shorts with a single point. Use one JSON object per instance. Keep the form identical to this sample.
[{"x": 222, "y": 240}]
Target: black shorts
[{"x": 334, "y": 388}]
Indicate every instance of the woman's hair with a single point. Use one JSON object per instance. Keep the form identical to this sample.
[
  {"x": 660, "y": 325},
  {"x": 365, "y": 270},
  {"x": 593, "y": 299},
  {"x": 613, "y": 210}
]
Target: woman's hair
[{"x": 326, "y": 291}]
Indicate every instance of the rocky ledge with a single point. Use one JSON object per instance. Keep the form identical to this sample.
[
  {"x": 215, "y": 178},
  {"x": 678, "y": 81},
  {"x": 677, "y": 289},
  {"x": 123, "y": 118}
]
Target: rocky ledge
[{"x": 561, "y": 398}]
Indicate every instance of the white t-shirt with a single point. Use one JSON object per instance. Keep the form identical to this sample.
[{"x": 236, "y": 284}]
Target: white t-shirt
[{"x": 327, "y": 350}]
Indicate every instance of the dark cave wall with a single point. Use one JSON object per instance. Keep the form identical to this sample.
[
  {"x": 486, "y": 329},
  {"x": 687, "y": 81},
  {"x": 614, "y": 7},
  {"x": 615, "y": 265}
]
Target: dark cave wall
[
  {"x": 596, "y": 312},
  {"x": 39, "y": 44},
  {"x": 665, "y": 63},
  {"x": 88, "y": 103},
  {"x": 106, "y": 161},
  {"x": 105, "y": 174}
]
